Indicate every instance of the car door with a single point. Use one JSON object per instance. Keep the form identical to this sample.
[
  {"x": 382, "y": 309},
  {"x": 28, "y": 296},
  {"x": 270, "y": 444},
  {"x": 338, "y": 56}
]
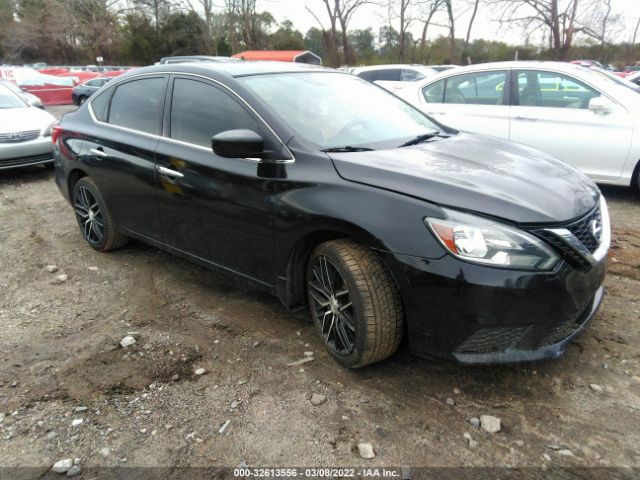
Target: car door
[
  {"x": 215, "y": 209},
  {"x": 551, "y": 113},
  {"x": 473, "y": 102},
  {"x": 121, "y": 151}
]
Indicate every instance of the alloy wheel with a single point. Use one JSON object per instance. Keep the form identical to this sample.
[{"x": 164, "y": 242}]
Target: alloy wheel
[
  {"x": 332, "y": 306},
  {"x": 89, "y": 215}
]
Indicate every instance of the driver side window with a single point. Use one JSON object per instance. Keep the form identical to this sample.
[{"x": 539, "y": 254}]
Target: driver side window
[{"x": 199, "y": 111}]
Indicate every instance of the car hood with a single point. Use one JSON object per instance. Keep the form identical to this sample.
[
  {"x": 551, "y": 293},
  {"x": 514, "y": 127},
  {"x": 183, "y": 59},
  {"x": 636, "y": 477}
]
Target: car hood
[
  {"x": 21, "y": 119},
  {"x": 477, "y": 173}
]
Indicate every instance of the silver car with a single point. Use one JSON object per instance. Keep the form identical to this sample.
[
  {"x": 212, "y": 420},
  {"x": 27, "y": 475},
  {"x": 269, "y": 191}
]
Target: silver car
[
  {"x": 25, "y": 132},
  {"x": 26, "y": 96}
]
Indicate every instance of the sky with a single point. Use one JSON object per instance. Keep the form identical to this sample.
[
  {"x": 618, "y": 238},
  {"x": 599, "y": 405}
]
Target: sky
[{"x": 485, "y": 26}]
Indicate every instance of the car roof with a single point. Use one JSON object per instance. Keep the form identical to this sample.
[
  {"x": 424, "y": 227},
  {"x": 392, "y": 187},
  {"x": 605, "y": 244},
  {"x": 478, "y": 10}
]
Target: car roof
[
  {"x": 232, "y": 68},
  {"x": 568, "y": 67},
  {"x": 390, "y": 65}
]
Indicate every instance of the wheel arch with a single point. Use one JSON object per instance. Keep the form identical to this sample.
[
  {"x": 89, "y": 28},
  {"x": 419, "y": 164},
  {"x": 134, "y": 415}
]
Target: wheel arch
[
  {"x": 290, "y": 286},
  {"x": 73, "y": 177}
]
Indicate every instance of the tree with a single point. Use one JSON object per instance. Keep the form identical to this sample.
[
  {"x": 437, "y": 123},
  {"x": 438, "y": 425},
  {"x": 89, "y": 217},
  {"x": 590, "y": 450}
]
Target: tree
[
  {"x": 7, "y": 24},
  {"x": 401, "y": 10},
  {"x": 601, "y": 24},
  {"x": 181, "y": 34},
  {"x": 286, "y": 38},
  {"x": 314, "y": 41},
  {"x": 557, "y": 17},
  {"x": 340, "y": 13},
  {"x": 157, "y": 9},
  {"x": 362, "y": 42},
  {"x": 428, "y": 10},
  {"x": 139, "y": 44}
]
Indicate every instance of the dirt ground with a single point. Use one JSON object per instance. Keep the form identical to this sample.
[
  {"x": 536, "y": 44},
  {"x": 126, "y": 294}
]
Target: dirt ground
[{"x": 144, "y": 405}]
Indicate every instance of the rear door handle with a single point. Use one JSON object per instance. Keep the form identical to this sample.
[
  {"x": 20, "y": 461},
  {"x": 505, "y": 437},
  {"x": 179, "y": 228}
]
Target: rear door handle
[
  {"x": 526, "y": 119},
  {"x": 99, "y": 152},
  {"x": 168, "y": 172}
]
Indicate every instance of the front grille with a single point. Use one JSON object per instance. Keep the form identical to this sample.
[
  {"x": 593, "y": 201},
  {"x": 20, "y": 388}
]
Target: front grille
[
  {"x": 23, "y": 161},
  {"x": 17, "y": 137},
  {"x": 583, "y": 231}
]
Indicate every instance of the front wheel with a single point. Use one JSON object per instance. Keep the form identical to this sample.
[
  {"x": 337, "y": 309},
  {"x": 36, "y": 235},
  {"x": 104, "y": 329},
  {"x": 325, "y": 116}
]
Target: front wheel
[
  {"x": 94, "y": 218},
  {"x": 354, "y": 303}
]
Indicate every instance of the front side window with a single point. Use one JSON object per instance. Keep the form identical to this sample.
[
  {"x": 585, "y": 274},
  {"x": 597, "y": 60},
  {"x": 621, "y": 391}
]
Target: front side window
[
  {"x": 332, "y": 110},
  {"x": 136, "y": 104},
  {"x": 552, "y": 90},
  {"x": 486, "y": 88},
  {"x": 199, "y": 111}
]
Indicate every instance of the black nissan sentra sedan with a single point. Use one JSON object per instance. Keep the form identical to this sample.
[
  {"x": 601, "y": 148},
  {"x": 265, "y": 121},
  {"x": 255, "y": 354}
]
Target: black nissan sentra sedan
[{"x": 331, "y": 193}]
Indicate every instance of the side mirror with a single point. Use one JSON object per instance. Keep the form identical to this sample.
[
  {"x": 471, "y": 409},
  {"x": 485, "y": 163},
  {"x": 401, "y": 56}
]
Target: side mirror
[
  {"x": 238, "y": 144},
  {"x": 601, "y": 105}
]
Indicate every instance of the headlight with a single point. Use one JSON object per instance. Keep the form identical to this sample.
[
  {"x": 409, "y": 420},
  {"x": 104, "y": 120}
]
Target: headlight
[
  {"x": 484, "y": 241},
  {"x": 47, "y": 131}
]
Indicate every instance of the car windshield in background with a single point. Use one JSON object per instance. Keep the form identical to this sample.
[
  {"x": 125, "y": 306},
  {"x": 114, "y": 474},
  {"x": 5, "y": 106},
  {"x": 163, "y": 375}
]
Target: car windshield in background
[
  {"x": 335, "y": 110},
  {"x": 8, "y": 99}
]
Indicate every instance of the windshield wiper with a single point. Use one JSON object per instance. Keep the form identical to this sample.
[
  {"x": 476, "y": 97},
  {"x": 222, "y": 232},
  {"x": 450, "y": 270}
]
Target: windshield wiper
[
  {"x": 421, "y": 138},
  {"x": 347, "y": 148}
]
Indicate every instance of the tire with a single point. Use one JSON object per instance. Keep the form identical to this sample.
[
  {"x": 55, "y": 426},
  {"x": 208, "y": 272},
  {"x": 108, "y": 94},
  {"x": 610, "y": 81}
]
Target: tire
[
  {"x": 94, "y": 218},
  {"x": 81, "y": 100},
  {"x": 363, "y": 325}
]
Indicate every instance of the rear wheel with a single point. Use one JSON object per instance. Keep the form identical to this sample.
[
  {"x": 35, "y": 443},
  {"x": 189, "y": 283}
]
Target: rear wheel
[
  {"x": 81, "y": 100},
  {"x": 354, "y": 302},
  {"x": 94, "y": 218}
]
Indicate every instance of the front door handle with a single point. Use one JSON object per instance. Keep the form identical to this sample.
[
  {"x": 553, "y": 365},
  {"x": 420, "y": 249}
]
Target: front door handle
[
  {"x": 526, "y": 119},
  {"x": 169, "y": 173},
  {"x": 99, "y": 152}
]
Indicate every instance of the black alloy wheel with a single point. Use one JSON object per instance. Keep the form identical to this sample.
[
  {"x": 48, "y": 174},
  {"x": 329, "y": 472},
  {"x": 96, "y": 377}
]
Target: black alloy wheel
[
  {"x": 94, "y": 218},
  {"x": 332, "y": 307},
  {"x": 354, "y": 302},
  {"x": 88, "y": 215}
]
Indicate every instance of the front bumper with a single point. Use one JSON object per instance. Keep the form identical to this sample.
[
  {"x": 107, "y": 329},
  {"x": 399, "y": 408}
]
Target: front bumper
[
  {"x": 33, "y": 152},
  {"x": 480, "y": 315}
]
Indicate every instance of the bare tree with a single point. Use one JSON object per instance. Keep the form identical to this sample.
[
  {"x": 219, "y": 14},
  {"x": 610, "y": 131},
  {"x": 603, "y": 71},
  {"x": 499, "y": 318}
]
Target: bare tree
[
  {"x": 601, "y": 24},
  {"x": 428, "y": 10},
  {"x": 206, "y": 7},
  {"x": 557, "y": 17},
  {"x": 340, "y": 13},
  {"x": 400, "y": 10}
]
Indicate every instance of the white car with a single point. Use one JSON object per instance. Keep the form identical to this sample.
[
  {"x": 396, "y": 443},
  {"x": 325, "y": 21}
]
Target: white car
[
  {"x": 25, "y": 132},
  {"x": 394, "y": 77},
  {"x": 578, "y": 115},
  {"x": 26, "y": 96}
]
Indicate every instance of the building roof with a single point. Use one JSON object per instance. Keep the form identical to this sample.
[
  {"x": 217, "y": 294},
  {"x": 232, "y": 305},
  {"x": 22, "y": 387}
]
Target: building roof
[{"x": 275, "y": 55}]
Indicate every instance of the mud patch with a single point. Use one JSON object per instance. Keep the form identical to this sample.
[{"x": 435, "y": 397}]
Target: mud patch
[
  {"x": 623, "y": 257},
  {"x": 127, "y": 370}
]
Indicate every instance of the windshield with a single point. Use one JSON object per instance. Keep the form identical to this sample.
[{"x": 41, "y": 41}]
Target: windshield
[
  {"x": 8, "y": 99},
  {"x": 332, "y": 110}
]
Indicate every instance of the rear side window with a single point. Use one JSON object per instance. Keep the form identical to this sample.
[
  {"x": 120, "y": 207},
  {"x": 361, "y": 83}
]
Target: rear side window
[
  {"x": 485, "y": 88},
  {"x": 100, "y": 105},
  {"x": 434, "y": 93},
  {"x": 387, "y": 75},
  {"x": 136, "y": 105},
  {"x": 408, "y": 75},
  {"x": 199, "y": 111}
]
